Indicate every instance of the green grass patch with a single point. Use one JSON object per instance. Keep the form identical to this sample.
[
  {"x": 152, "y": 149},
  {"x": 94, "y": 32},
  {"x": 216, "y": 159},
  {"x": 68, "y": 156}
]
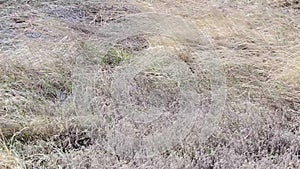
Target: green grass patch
[{"x": 114, "y": 56}]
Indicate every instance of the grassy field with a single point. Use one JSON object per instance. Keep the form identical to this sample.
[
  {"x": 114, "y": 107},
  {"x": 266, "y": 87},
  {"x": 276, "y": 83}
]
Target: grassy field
[{"x": 150, "y": 84}]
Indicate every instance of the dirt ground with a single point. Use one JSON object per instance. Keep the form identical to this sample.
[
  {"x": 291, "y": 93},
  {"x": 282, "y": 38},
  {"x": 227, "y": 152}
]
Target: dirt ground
[{"x": 149, "y": 84}]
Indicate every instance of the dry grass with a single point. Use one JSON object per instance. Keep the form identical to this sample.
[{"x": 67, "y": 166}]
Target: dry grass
[
  {"x": 82, "y": 87},
  {"x": 8, "y": 161}
]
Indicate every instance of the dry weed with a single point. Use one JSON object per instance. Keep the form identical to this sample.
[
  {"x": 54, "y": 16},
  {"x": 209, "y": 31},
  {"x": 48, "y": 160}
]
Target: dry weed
[{"x": 141, "y": 84}]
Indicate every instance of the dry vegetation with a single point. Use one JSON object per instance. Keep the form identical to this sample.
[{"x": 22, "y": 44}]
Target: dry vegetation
[{"x": 150, "y": 84}]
